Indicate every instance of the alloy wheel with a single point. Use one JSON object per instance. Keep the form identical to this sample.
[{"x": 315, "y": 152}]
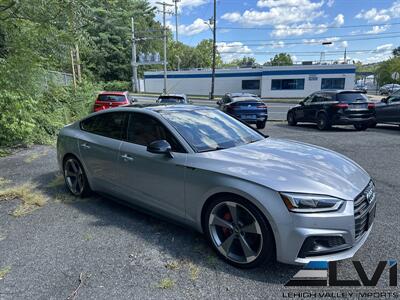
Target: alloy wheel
[
  {"x": 74, "y": 176},
  {"x": 235, "y": 232}
]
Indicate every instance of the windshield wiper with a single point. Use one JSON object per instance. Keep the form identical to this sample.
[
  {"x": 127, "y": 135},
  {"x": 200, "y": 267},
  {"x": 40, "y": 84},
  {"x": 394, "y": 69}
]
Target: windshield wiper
[{"x": 213, "y": 149}]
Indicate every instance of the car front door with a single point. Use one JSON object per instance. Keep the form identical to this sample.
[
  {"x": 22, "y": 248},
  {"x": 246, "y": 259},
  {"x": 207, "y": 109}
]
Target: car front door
[
  {"x": 311, "y": 107},
  {"x": 393, "y": 109},
  {"x": 99, "y": 145},
  {"x": 152, "y": 180}
]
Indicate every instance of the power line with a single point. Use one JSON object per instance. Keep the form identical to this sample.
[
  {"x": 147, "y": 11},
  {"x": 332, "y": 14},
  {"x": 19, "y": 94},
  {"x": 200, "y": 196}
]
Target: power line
[
  {"x": 307, "y": 27},
  {"x": 312, "y": 42},
  {"x": 319, "y": 37}
]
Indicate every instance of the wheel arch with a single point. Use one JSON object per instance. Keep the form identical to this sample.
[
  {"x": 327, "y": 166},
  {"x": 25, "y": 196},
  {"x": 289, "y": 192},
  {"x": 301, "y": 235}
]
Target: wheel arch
[{"x": 245, "y": 197}]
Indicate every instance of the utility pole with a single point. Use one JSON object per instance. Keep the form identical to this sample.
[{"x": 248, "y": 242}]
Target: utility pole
[
  {"x": 165, "y": 44},
  {"x": 133, "y": 62},
  {"x": 73, "y": 68},
  {"x": 78, "y": 63},
  {"x": 176, "y": 19},
  {"x": 214, "y": 50},
  {"x": 345, "y": 56}
]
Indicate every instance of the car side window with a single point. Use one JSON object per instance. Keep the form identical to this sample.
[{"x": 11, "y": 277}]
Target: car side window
[
  {"x": 317, "y": 98},
  {"x": 308, "y": 99},
  {"x": 144, "y": 129},
  {"x": 394, "y": 99},
  {"x": 112, "y": 125}
]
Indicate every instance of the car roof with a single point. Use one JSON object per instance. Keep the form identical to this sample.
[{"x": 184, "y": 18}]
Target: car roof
[
  {"x": 338, "y": 91},
  {"x": 233, "y": 95},
  {"x": 175, "y": 107},
  {"x": 173, "y": 95},
  {"x": 113, "y": 93}
]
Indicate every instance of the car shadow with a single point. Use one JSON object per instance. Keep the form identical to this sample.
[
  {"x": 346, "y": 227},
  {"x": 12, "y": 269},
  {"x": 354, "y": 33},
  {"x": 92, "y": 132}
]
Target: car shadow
[
  {"x": 177, "y": 241},
  {"x": 313, "y": 127}
]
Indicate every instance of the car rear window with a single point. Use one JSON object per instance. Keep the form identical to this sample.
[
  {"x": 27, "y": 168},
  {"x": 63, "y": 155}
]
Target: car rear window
[
  {"x": 171, "y": 100},
  {"x": 248, "y": 103},
  {"x": 111, "y": 98},
  {"x": 351, "y": 97}
]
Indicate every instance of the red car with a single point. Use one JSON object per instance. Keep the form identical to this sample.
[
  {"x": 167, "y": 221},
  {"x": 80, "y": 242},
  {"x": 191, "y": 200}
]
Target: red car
[{"x": 107, "y": 100}]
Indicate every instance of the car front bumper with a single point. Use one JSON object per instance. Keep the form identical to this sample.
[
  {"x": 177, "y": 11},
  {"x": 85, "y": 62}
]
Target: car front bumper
[{"x": 334, "y": 225}]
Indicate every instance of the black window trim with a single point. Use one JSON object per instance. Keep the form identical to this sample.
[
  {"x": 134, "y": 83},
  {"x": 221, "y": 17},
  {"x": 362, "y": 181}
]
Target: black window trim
[{"x": 124, "y": 130}]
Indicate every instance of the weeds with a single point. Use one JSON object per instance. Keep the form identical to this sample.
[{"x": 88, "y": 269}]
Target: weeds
[
  {"x": 173, "y": 265},
  {"x": 4, "y": 271},
  {"x": 4, "y": 153},
  {"x": 57, "y": 181},
  {"x": 193, "y": 271},
  {"x": 166, "y": 283},
  {"x": 31, "y": 198},
  {"x": 4, "y": 181}
]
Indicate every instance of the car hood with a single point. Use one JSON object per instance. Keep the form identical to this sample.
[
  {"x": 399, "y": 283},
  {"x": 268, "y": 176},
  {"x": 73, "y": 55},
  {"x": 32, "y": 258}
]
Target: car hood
[{"x": 289, "y": 166}]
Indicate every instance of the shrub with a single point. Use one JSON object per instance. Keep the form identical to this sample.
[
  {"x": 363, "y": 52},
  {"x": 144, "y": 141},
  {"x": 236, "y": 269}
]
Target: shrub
[{"x": 117, "y": 86}]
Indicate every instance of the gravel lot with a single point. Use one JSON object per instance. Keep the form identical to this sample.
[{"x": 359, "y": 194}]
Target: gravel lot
[{"x": 125, "y": 254}]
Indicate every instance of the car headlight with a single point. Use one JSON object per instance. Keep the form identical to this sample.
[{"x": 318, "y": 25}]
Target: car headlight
[{"x": 307, "y": 203}]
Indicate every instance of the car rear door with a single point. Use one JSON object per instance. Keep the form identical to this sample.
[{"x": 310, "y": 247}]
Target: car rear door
[
  {"x": 152, "y": 180},
  {"x": 99, "y": 147}
]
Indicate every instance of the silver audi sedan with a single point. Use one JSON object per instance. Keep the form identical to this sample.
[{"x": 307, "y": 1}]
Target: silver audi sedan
[{"x": 255, "y": 198}]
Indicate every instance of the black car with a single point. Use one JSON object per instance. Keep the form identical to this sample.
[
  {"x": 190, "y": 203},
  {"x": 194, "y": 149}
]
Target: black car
[
  {"x": 246, "y": 107},
  {"x": 388, "y": 110},
  {"x": 336, "y": 107}
]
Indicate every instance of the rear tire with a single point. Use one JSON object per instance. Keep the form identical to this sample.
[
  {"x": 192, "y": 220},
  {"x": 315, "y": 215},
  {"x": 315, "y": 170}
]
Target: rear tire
[
  {"x": 291, "y": 119},
  {"x": 238, "y": 232},
  {"x": 373, "y": 125},
  {"x": 75, "y": 177},
  {"x": 360, "y": 127},
  {"x": 260, "y": 125},
  {"x": 323, "y": 122}
]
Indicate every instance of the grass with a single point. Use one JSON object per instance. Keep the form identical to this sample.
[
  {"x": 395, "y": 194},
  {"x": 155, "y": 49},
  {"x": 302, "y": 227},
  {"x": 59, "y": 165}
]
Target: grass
[
  {"x": 58, "y": 181},
  {"x": 34, "y": 156},
  {"x": 4, "y": 153},
  {"x": 166, "y": 283},
  {"x": 4, "y": 271},
  {"x": 31, "y": 199},
  {"x": 173, "y": 265},
  {"x": 4, "y": 181},
  {"x": 87, "y": 237},
  {"x": 193, "y": 271}
]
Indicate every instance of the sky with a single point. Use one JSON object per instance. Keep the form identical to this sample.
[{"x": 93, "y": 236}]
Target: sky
[{"x": 368, "y": 29}]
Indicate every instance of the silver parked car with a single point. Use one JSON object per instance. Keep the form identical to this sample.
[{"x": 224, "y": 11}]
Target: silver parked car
[{"x": 255, "y": 198}]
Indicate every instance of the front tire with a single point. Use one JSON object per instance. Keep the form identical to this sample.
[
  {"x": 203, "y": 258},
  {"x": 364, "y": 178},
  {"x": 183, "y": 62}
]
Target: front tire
[
  {"x": 238, "y": 232},
  {"x": 291, "y": 119},
  {"x": 323, "y": 122},
  {"x": 360, "y": 127},
  {"x": 261, "y": 125},
  {"x": 75, "y": 178}
]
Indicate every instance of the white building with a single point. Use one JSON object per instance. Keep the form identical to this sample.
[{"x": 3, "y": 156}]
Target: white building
[{"x": 269, "y": 82}]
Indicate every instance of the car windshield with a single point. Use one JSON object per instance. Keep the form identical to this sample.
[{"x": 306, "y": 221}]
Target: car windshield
[
  {"x": 209, "y": 130},
  {"x": 351, "y": 97},
  {"x": 170, "y": 100},
  {"x": 111, "y": 98}
]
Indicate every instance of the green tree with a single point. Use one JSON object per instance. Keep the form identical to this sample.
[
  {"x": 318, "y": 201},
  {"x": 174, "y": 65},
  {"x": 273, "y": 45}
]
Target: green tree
[
  {"x": 244, "y": 62},
  {"x": 385, "y": 70},
  {"x": 396, "y": 51},
  {"x": 282, "y": 59}
]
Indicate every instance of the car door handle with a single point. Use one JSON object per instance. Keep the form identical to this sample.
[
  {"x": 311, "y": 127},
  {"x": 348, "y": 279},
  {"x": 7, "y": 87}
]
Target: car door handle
[
  {"x": 126, "y": 157},
  {"x": 85, "y": 146}
]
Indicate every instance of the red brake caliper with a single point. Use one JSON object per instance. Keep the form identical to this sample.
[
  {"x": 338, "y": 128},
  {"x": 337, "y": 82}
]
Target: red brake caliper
[{"x": 227, "y": 217}]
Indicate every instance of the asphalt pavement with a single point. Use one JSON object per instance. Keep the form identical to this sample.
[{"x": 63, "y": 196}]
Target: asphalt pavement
[{"x": 121, "y": 253}]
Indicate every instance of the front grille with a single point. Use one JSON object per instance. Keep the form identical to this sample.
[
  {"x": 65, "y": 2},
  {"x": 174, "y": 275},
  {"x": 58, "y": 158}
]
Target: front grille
[{"x": 363, "y": 205}]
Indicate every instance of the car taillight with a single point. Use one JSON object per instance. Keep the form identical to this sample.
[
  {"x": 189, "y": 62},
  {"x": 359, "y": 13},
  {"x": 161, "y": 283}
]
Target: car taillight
[
  {"x": 342, "y": 105},
  {"x": 262, "y": 106},
  {"x": 371, "y": 105}
]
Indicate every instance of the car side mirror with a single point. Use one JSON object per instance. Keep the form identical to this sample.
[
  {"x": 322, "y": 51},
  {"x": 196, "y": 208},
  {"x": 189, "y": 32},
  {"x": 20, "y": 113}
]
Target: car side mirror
[
  {"x": 160, "y": 147},
  {"x": 190, "y": 101},
  {"x": 301, "y": 103},
  {"x": 219, "y": 102},
  {"x": 132, "y": 100},
  {"x": 385, "y": 100}
]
